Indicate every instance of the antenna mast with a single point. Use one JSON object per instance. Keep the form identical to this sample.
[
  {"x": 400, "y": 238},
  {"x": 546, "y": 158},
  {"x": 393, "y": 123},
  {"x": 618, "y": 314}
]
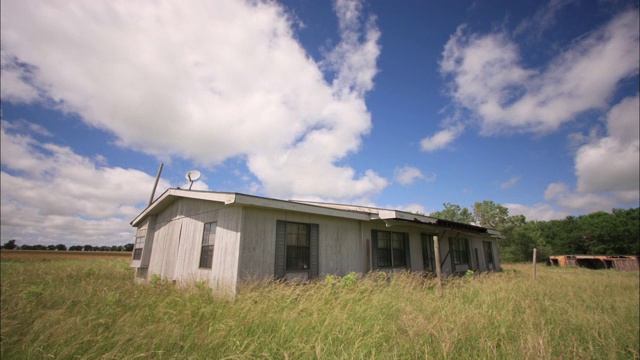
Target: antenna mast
[
  {"x": 156, "y": 184},
  {"x": 192, "y": 176}
]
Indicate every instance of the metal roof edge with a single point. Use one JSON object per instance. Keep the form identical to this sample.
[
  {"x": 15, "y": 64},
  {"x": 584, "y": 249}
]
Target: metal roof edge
[
  {"x": 243, "y": 199},
  {"x": 289, "y": 205}
]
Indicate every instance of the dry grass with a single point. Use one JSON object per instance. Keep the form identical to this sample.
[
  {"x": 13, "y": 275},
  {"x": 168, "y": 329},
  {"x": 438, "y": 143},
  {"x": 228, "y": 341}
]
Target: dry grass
[{"x": 92, "y": 309}]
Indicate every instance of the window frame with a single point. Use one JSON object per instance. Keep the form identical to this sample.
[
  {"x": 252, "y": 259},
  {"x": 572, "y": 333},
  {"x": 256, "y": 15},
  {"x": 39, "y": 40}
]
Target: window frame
[
  {"x": 138, "y": 247},
  {"x": 207, "y": 245},
  {"x": 297, "y": 247},
  {"x": 397, "y": 249},
  {"x": 460, "y": 251}
]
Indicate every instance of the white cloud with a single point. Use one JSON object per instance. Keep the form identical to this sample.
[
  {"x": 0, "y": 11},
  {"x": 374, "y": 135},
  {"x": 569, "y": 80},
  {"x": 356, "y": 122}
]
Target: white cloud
[
  {"x": 538, "y": 212},
  {"x": 207, "y": 81},
  {"x": 413, "y": 208},
  {"x": 14, "y": 85},
  {"x": 510, "y": 183},
  {"x": 52, "y": 195},
  {"x": 197, "y": 185},
  {"x": 441, "y": 139},
  {"x": 406, "y": 175},
  {"x": 554, "y": 190},
  {"x": 607, "y": 168},
  {"x": 612, "y": 163},
  {"x": 489, "y": 82},
  {"x": 576, "y": 201}
]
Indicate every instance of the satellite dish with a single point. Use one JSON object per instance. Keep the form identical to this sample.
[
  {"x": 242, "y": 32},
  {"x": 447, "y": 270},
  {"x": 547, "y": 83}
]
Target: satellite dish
[{"x": 192, "y": 176}]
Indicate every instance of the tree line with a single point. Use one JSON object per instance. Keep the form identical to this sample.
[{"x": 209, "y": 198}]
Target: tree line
[
  {"x": 11, "y": 245},
  {"x": 598, "y": 233}
]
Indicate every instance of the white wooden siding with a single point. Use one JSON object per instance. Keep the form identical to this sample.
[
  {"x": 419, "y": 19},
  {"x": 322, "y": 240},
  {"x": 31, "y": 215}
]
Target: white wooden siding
[
  {"x": 177, "y": 242},
  {"x": 226, "y": 250},
  {"x": 340, "y": 246},
  {"x": 244, "y": 247}
]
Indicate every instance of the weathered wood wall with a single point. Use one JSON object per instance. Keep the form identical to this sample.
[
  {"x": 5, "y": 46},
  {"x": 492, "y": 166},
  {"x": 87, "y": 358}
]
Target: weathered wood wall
[
  {"x": 177, "y": 245},
  {"x": 341, "y": 247},
  {"x": 244, "y": 245}
]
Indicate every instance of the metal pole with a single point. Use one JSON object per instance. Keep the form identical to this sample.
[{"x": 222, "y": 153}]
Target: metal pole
[
  {"x": 535, "y": 255},
  {"x": 156, "y": 184}
]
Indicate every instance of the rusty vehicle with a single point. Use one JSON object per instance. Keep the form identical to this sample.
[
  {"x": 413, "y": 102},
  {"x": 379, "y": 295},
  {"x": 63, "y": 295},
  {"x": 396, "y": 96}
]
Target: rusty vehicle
[{"x": 616, "y": 262}]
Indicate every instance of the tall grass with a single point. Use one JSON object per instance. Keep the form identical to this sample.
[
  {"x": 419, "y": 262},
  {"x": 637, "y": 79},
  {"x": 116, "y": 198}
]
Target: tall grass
[{"x": 92, "y": 309}]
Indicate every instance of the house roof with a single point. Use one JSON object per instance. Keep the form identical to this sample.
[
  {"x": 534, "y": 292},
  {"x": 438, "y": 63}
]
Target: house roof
[
  {"x": 355, "y": 212},
  {"x": 171, "y": 195}
]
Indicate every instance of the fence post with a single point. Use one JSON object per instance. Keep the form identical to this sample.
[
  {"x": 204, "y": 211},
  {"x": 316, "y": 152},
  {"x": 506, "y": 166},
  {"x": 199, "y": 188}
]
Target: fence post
[
  {"x": 535, "y": 255},
  {"x": 436, "y": 250}
]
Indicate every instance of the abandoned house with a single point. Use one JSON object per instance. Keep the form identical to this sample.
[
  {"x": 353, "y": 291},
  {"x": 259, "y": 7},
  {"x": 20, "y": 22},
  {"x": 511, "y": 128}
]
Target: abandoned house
[
  {"x": 616, "y": 262},
  {"x": 223, "y": 238}
]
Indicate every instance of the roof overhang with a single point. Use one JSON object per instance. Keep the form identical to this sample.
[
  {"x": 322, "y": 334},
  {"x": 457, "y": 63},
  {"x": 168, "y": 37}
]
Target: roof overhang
[
  {"x": 171, "y": 195},
  {"x": 362, "y": 213},
  {"x": 397, "y": 217}
]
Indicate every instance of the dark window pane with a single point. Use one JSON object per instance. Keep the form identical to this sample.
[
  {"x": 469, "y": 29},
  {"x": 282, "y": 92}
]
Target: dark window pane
[
  {"x": 298, "y": 249},
  {"x": 209, "y": 233},
  {"x": 208, "y": 240},
  {"x": 399, "y": 257},
  {"x": 137, "y": 254},
  {"x": 206, "y": 256},
  {"x": 205, "y": 234},
  {"x": 460, "y": 251},
  {"x": 391, "y": 251}
]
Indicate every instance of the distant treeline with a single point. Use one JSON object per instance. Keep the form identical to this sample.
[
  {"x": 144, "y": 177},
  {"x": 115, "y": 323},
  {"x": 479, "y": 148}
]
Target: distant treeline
[
  {"x": 599, "y": 233},
  {"x": 11, "y": 245}
]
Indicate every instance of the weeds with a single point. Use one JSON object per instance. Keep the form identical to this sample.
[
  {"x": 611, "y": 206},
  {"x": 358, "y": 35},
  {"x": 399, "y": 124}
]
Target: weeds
[{"x": 93, "y": 309}]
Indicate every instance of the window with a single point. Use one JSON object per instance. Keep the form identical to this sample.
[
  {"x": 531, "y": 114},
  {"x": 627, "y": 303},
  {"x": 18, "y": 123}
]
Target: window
[
  {"x": 459, "y": 251},
  {"x": 391, "y": 249},
  {"x": 297, "y": 246},
  {"x": 137, "y": 248},
  {"x": 297, "y": 249},
  {"x": 208, "y": 238},
  {"x": 428, "y": 260}
]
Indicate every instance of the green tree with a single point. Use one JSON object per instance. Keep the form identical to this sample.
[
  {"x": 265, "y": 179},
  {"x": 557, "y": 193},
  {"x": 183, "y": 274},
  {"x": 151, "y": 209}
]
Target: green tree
[
  {"x": 453, "y": 212},
  {"x": 61, "y": 247},
  {"x": 10, "y": 245},
  {"x": 489, "y": 214}
]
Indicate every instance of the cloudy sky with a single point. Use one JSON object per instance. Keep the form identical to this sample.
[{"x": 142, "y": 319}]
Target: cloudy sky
[{"x": 408, "y": 105}]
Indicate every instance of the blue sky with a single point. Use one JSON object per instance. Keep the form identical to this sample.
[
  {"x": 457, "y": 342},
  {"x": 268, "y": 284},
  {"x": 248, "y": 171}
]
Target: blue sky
[{"x": 407, "y": 105}]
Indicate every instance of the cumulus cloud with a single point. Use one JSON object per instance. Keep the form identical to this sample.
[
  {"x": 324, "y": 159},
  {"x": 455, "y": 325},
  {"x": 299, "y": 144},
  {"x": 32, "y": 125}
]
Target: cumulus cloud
[
  {"x": 406, "y": 175},
  {"x": 51, "y": 195},
  {"x": 607, "y": 168},
  {"x": 205, "y": 81},
  {"x": 441, "y": 139},
  {"x": 576, "y": 201},
  {"x": 538, "y": 212},
  {"x": 15, "y": 85},
  {"x": 489, "y": 82},
  {"x": 612, "y": 162}
]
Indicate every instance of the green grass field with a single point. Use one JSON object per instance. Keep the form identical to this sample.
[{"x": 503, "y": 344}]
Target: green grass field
[{"x": 90, "y": 308}]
